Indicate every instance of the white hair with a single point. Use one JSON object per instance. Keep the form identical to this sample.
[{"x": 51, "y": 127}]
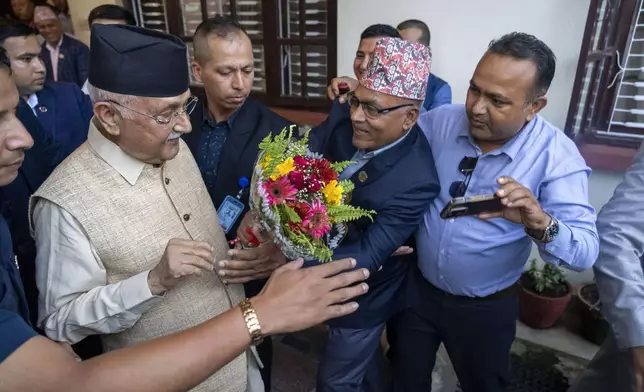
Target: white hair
[{"x": 99, "y": 95}]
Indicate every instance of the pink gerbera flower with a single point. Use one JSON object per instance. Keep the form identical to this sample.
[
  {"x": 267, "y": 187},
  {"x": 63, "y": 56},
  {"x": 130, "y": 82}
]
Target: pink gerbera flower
[
  {"x": 316, "y": 222},
  {"x": 279, "y": 191}
]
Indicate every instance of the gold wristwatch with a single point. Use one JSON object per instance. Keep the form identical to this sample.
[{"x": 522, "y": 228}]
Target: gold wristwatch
[{"x": 252, "y": 323}]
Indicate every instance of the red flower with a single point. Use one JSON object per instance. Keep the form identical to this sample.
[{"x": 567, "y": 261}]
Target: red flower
[
  {"x": 300, "y": 162},
  {"x": 322, "y": 169},
  {"x": 279, "y": 191},
  {"x": 296, "y": 178},
  {"x": 300, "y": 208},
  {"x": 312, "y": 183},
  {"x": 294, "y": 227}
]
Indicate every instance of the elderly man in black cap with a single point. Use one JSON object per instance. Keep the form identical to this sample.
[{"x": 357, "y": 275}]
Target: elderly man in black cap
[{"x": 126, "y": 233}]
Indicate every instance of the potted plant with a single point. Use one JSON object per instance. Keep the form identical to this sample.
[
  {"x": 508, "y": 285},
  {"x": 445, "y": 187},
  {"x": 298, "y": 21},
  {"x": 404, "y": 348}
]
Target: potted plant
[
  {"x": 592, "y": 326},
  {"x": 544, "y": 295}
]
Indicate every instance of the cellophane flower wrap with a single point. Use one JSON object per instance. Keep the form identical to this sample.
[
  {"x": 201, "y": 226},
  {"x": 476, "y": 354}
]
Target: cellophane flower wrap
[{"x": 298, "y": 198}]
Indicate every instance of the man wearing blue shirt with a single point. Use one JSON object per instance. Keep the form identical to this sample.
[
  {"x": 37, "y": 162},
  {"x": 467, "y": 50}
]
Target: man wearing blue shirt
[
  {"x": 438, "y": 91},
  {"x": 495, "y": 144}
]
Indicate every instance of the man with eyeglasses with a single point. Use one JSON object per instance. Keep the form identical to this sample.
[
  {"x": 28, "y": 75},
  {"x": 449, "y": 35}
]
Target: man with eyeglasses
[
  {"x": 468, "y": 267},
  {"x": 126, "y": 233},
  {"x": 377, "y": 132}
]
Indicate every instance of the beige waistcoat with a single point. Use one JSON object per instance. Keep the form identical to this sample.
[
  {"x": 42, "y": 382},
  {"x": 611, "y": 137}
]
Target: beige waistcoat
[{"x": 130, "y": 225}]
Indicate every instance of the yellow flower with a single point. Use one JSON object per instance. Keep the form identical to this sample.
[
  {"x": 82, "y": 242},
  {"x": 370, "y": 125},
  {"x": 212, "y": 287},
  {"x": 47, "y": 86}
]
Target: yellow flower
[
  {"x": 333, "y": 192},
  {"x": 265, "y": 161},
  {"x": 283, "y": 168}
]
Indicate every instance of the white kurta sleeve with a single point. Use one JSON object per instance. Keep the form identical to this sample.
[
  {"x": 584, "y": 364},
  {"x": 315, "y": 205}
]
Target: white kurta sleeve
[{"x": 75, "y": 300}]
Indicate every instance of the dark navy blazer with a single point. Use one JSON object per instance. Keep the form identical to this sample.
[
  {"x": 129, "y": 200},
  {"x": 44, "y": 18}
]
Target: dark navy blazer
[
  {"x": 65, "y": 112},
  {"x": 401, "y": 183}
]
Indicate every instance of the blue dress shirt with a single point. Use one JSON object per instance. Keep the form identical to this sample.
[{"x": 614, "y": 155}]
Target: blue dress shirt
[
  {"x": 361, "y": 157},
  {"x": 473, "y": 257},
  {"x": 14, "y": 327},
  {"x": 211, "y": 145}
]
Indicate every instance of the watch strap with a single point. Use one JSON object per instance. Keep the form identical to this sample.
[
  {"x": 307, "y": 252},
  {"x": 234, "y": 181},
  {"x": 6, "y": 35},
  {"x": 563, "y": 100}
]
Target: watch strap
[
  {"x": 546, "y": 235},
  {"x": 252, "y": 322}
]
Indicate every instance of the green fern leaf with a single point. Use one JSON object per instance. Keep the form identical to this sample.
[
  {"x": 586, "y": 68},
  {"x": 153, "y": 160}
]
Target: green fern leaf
[
  {"x": 339, "y": 166},
  {"x": 347, "y": 213},
  {"x": 347, "y": 185},
  {"x": 291, "y": 215}
]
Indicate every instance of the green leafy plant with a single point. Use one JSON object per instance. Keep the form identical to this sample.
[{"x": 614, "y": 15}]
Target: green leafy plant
[{"x": 549, "y": 280}]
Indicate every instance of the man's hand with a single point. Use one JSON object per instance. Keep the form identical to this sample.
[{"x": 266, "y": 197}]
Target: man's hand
[
  {"x": 334, "y": 89},
  {"x": 248, "y": 228},
  {"x": 637, "y": 354},
  {"x": 519, "y": 206},
  {"x": 246, "y": 265},
  {"x": 181, "y": 258},
  {"x": 296, "y": 298}
]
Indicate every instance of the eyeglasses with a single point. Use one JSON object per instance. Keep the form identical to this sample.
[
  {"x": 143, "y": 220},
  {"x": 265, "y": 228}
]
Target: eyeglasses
[
  {"x": 370, "y": 110},
  {"x": 188, "y": 107},
  {"x": 466, "y": 167}
]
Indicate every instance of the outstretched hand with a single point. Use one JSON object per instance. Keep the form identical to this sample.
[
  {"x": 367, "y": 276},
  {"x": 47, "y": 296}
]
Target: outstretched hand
[{"x": 295, "y": 298}]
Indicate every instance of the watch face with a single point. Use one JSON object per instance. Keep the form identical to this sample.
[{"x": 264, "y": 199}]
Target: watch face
[{"x": 552, "y": 230}]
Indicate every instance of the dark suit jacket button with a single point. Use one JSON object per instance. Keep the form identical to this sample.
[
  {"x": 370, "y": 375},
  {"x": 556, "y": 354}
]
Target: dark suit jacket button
[
  {"x": 186, "y": 217},
  {"x": 167, "y": 181}
]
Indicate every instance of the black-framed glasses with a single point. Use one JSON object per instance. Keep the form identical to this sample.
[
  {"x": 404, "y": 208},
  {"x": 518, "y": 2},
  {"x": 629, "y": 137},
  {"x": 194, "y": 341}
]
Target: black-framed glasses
[
  {"x": 188, "y": 107},
  {"x": 370, "y": 110},
  {"x": 466, "y": 167}
]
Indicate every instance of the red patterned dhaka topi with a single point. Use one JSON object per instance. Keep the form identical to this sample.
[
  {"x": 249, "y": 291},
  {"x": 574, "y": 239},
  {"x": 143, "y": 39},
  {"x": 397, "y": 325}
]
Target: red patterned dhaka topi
[{"x": 399, "y": 68}]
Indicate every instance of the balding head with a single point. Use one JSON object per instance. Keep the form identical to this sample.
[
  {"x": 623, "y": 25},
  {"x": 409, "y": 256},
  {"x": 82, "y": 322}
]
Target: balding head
[
  {"x": 219, "y": 27},
  {"x": 224, "y": 63}
]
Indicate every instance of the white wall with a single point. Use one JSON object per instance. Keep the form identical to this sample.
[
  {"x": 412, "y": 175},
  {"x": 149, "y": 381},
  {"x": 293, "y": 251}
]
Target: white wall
[
  {"x": 461, "y": 31},
  {"x": 79, "y": 10},
  {"x": 600, "y": 189}
]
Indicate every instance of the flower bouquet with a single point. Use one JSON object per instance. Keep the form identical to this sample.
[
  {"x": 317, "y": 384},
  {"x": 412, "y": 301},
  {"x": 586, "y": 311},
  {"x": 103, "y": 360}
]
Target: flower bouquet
[{"x": 298, "y": 198}]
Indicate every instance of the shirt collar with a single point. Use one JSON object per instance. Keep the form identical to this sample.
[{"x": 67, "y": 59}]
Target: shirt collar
[
  {"x": 371, "y": 154},
  {"x": 126, "y": 165},
  {"x": 57, "y": 45},
  {"x": 512, "y": 147},
  {"x": 32, "y": 101},
  {"x": 207, "y": 119}
]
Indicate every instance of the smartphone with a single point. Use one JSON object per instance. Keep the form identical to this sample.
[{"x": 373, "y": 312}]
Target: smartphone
[
  {"x": 471, "y": 205},
  {"x": 343, "y": 88}
]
